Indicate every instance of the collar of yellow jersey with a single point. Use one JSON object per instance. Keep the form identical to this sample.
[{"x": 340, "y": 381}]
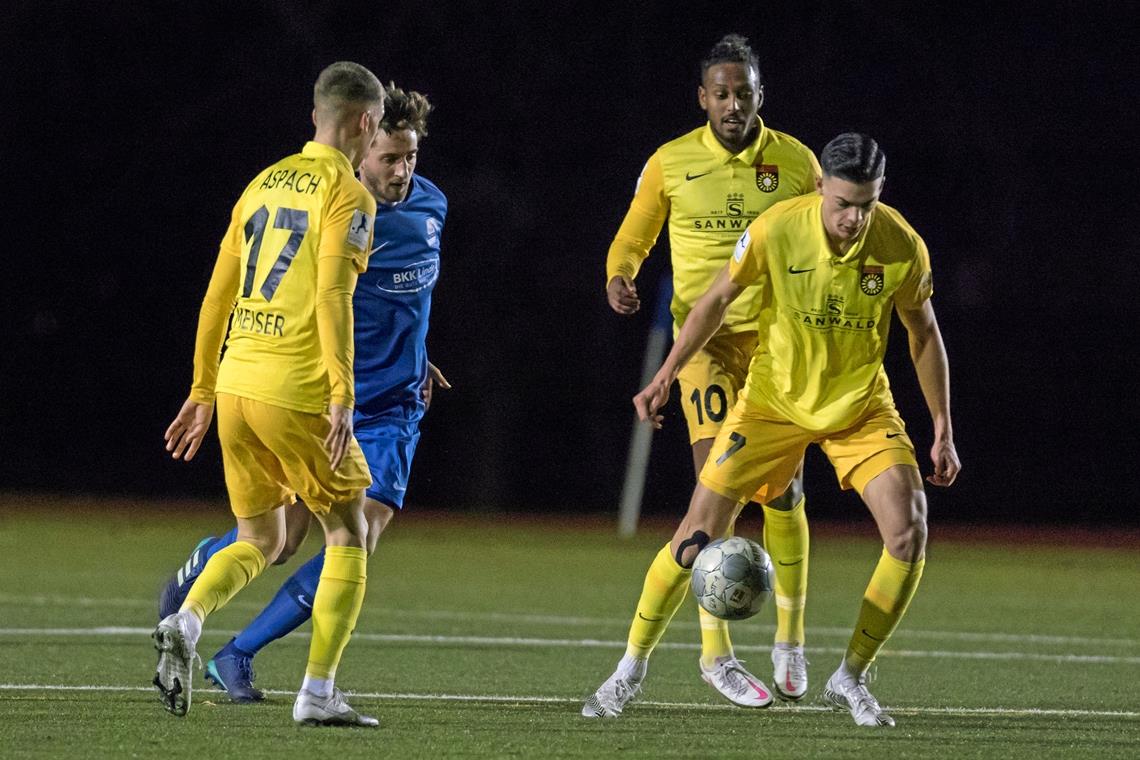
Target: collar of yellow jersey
[
  {"x": 320, "y": 150},
  {"x": 746, "y": 156}
]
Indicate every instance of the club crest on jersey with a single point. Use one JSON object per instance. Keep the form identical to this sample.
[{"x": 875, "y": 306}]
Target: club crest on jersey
[
  {"x": 734, "y": 204},
  {"x": 871, "y": 280},
  {"x": 767, "y": 177}
]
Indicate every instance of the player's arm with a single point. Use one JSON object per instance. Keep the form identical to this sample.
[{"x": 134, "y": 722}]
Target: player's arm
[
  {"x": 185, "y": 434},
  {"x": 434, "y": 377},
  {"x": 342, "y": 254},
  {"x": 636, "y": 236},
  {"x": 928, "y": 353},
  {"x": 748, "y": 264}
]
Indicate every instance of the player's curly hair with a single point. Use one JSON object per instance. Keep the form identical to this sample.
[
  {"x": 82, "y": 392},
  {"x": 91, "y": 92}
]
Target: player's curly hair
[
  {"x": 853, "y": 157},
  {"x": 732, "y": 48},
  {"x": 405, "y": 110}
]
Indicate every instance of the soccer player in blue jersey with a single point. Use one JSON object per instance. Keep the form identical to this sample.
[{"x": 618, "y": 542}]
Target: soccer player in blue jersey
[{"x": 394, "y": 379}]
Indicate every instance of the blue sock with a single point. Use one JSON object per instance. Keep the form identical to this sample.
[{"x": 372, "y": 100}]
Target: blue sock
[
  {"x": 291, "y": 607},
  {"x": 220, "y": 543}
]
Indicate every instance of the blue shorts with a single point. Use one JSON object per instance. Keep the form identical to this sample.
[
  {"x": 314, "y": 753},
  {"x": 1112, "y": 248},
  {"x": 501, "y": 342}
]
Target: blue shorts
[{"x": 388, "y": 446}]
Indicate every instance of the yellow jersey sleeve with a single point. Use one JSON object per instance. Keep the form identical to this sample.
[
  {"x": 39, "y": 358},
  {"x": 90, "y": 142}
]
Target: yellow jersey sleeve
[
  {"x": 349, "y": 219},
  {"x": 749, "y": 261},
  {"x": 336, "y": 279},
  {"x": 642, "y": 223},
  {"x": 918, "y": 285},
  {"x": 213, "y": 317}
]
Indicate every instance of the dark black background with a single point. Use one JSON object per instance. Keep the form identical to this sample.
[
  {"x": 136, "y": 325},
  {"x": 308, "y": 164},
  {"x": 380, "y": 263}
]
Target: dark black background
[{"x": 131, "y": 129}]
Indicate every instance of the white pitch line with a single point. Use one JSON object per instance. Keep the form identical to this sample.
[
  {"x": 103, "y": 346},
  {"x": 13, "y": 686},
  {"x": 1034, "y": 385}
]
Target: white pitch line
[
  {"x": 539, "y": 700},
  {"x": 41, "y": 600},
  {"x": 512, "y": 641}
]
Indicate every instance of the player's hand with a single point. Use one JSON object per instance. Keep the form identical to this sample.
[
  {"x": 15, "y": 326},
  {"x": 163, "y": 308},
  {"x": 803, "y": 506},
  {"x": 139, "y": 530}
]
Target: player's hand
[
  {"x": 336, "y": 444},
  {"x": 434, "y": 377},
  {"x": 186, "y": 433},
  {"x": 622, "y": 295},
  {"x": 652, "y": 398},
  {"x": 946, "y": 464}
]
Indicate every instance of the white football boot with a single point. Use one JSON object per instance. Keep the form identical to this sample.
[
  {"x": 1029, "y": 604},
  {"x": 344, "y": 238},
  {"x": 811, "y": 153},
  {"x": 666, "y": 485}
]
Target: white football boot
[
  {"x": 174, "y": 640},
  {"x": 845, "y": 692},
  {"x": 789, "y": 672},
  {"x": 611, "y": 697},
  {"x": 312, "y": 710},
  {"x": 736, "y": 684}
]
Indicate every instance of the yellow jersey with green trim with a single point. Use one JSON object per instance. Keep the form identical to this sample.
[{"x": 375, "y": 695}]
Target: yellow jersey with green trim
[
  {"x": 303, "y": 208},
  {"x": 709, "y": 196},
  {"x": 820, "y": 360}
]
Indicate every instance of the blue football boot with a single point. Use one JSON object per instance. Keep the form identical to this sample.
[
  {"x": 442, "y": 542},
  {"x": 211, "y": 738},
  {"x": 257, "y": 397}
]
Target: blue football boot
[
  {"x": 232, "y": 669},
  {"x": 175, "y": 591}
]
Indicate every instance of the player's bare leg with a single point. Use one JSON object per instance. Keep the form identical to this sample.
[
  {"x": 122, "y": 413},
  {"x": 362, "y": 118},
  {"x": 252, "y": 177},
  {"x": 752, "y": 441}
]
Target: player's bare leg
[
  {"x": 666, "y": 583},
  {"x": 718, "y": 665},
  {"x": 336, "y": 606},
  {"x": 897, "y": 502},
  {"x": 377, "y": 515},
  {"x": 786, "y": 541},
  {"x": 259, "y": 540}
]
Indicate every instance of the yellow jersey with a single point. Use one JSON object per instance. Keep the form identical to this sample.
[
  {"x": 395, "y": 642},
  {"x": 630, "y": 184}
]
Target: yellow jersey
[
  {"x": 709, "y": 196},
  {"x": 820, "y": 360},
  {"x": 303, "y": 209}
]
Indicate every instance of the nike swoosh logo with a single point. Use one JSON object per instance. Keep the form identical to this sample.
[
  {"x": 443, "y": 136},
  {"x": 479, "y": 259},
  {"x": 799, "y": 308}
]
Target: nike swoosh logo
[
  {"x": 650, "y": 620},
  {"x": 789, "y": 564},
  {"x": 305, "y": 601},
  {"x": 874, "y": 638},
  {"x": 690, "y": 177},
  {"x": 893, "y": 435},
  {"x": 793, "y": 270},
  {"x": 377, "y": 248}
]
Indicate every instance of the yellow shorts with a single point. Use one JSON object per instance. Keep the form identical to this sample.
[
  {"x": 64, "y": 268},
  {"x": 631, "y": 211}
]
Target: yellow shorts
[
  {"x": 711, "y": 381},
  {"x": 759, "y": 454},
  {"x": 271, "y": 454}
]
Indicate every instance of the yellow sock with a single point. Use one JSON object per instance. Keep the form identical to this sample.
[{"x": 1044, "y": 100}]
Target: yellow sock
[
  {"x": 336, "y": 606},
  {"x": 225, "y": 574},
  {"x": 891, "y": 588},
  {"x": 786, "y": 541},
  {"x": 715, "y": 641},
  {"x": 665, "y": 587}
]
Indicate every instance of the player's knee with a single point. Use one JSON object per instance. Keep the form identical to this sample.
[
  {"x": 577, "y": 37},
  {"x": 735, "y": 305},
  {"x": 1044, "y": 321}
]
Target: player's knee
[
  {"x": 908, "y": 541},
  {"x": 288, "y": 549},
  {"x": 269, "y": 546},
  {"x": 788, "y": 500},
  {"x": 377, "y": 515},
  {"x": 685, "y": 553}
]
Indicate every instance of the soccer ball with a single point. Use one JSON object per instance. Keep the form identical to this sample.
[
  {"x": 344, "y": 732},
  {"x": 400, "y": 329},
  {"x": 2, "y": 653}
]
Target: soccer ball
[{"x": 732, "y": 578}]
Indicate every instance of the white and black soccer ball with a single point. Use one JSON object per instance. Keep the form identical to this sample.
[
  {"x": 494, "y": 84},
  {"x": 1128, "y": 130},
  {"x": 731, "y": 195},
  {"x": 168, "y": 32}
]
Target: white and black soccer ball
[{"x": 733, "y": 578}]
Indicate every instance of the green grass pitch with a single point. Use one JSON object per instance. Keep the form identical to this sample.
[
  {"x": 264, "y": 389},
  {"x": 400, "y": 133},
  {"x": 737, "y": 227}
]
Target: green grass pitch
[{"x": 480, "y": 637}]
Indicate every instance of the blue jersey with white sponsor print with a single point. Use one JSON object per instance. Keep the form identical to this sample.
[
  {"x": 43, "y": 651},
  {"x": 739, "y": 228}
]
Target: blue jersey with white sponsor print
[{"x": 392, "y": 303}]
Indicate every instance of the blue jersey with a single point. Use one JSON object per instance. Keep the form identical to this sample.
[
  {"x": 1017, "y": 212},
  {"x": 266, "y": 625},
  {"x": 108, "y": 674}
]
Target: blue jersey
[{"x": 392, "y": 304}]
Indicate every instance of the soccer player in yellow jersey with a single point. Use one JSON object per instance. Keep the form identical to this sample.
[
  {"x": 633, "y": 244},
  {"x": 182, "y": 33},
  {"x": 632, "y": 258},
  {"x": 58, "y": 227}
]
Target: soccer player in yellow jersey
[
  {"x": 710, "y": 184},
  {"x": 834, "y": 266},
  {"x": 299, "y": 236}
]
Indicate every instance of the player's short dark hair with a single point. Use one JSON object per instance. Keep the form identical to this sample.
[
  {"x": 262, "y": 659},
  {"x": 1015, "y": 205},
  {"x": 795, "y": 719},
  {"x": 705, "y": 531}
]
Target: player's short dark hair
[
  {"x": 346, "y": 82},
  {"x": 732, "y": 48},
  {"x": 853, "y": 157},
  {"x": 405, "y": 110}
]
